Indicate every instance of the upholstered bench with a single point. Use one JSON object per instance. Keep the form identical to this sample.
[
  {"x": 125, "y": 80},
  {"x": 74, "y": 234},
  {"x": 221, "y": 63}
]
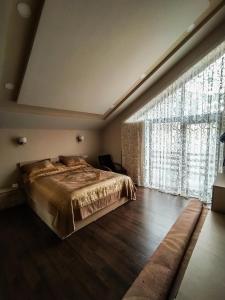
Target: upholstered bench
[{"x": 156, "y": 279}]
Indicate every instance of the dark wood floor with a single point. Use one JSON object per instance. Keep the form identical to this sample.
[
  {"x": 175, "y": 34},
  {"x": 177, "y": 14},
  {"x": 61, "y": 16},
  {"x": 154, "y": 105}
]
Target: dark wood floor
[{"x": 98, "y": 262}]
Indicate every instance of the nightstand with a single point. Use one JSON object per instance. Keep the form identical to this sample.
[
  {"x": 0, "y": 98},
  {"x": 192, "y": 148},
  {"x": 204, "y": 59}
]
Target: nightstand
[
  {"x": 10, "y": 197},
  {"x": 218, "y": 196}
]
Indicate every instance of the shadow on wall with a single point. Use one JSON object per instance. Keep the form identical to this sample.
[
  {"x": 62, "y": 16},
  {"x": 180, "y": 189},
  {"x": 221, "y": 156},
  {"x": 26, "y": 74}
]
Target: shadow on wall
[
  {"x": 14, "y": 142},
  {"x": 12, "y": 177}
]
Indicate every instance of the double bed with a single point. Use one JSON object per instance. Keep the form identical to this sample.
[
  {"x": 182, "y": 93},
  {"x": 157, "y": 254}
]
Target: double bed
[{"x": 68, "y": 196}]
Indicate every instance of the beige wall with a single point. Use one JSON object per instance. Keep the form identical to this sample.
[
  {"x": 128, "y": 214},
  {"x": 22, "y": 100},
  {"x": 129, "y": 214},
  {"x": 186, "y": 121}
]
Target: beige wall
[
  {"x": 42, "y": 144},
  {"x": 111, "y": 134}
]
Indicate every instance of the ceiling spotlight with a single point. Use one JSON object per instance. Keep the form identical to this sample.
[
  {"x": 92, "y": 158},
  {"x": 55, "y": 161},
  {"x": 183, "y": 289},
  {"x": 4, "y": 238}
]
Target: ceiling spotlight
[
  {"x": 191, "y": 27},
  {"x": 143, "y": 76},
  {"x": 24, "y": 10},
  {"x": 113, "y": 105},
  {"x": 9, "y": 86}
]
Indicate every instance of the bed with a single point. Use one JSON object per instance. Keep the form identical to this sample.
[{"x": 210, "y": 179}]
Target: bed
[{"x": 68, "y": 197}]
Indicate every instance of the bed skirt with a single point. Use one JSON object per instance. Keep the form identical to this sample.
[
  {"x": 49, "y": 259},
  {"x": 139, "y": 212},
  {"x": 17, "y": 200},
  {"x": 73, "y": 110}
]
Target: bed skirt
[{"x": 49, "y": 219}]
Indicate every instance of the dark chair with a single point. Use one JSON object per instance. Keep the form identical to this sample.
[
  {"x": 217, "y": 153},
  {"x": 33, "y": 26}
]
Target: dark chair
[{"x": 107, "y": 164}]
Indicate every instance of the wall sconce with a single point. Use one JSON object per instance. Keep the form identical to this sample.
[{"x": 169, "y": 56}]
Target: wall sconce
[
  {"x": 22, "y": 140},
  {"x": 80, "y": 138}
]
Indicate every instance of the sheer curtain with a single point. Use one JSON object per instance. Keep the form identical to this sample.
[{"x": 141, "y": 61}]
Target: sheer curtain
[{"x": 182, "y": 152}]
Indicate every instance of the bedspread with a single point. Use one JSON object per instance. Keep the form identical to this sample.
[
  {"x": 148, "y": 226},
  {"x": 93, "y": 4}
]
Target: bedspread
[{"x": 67, "y": 192}]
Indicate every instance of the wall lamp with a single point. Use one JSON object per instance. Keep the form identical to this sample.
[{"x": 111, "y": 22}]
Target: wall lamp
[
  {"x": 21, "y": 140},
  {"x": 80, "y": 138}
]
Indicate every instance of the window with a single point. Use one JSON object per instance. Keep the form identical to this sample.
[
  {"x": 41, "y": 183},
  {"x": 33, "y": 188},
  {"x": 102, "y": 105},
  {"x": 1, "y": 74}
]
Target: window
[{"x": 181, "y": 130}]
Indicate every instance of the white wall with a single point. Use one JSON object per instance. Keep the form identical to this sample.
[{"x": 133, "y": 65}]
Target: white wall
[{"x": 42, "y": 144}]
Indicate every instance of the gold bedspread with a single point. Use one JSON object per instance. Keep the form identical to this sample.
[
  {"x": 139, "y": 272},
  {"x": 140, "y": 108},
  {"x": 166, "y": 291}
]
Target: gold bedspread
[{"x": 73, "y": 193}]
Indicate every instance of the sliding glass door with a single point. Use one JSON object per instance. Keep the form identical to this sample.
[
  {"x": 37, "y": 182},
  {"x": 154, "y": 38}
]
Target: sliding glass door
[
  {"x": 182, "y": 134},
  {"x": 181, "y": 158}
]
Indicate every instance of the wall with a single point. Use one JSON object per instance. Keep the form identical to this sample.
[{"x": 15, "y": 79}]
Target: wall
[
  {"x": 42, "y": 144},
  {"x": 111, "y": 134}
]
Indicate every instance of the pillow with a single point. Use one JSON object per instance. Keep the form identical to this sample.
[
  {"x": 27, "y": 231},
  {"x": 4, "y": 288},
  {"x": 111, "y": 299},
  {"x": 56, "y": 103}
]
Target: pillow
[
  {"x": 58, "y": 164},
  {"x": 38, "y": 167},
  {"x": 71, "y": 161}
]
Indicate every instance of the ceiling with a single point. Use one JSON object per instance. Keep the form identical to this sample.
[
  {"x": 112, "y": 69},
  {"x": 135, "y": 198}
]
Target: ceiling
[{"x": 84, "y": 56}]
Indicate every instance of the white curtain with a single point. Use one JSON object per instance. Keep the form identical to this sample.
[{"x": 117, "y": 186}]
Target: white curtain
[{"x": 181, "y": 130}]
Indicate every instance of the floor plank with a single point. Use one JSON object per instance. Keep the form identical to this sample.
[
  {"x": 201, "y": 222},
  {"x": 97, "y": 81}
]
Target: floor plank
[{"x": 98, "y": 262}]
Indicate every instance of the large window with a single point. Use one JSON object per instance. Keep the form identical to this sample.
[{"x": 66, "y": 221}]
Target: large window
[{"x": 181, "y": 150}]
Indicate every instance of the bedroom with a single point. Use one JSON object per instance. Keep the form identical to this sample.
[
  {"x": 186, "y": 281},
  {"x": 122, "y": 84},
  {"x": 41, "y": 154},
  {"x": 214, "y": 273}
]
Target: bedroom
[{"x": 82, "y": 79}]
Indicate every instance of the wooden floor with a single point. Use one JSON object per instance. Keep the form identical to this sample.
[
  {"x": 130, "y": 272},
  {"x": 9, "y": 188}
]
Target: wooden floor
[{"x": 98, "y": 262}]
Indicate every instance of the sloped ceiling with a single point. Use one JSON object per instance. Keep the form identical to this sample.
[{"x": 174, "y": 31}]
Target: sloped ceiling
[{"x": 86, "y": 55}]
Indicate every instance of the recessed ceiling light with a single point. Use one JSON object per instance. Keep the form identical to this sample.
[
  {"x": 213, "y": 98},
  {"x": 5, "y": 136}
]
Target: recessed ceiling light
[
  {"x": 143, "y": 76},
  {"x": 9, "y": 86},
  {"x": 24, "y": 10},
  {"x": 191, "y": 27}
]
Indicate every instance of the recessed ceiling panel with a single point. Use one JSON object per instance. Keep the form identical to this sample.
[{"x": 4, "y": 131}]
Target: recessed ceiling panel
[{"x": 87, "y": 54}]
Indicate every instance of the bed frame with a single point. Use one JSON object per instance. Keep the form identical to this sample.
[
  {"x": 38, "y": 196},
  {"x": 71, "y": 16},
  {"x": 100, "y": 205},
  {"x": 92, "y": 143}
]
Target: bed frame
[{"x": 47, "y": 218}]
